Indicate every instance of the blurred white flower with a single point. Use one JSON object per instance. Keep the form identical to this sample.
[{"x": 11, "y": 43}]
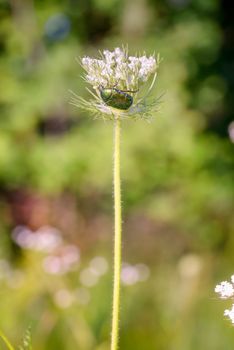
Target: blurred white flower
[
  {"x": 61, "y": 257},
  {"x": 53, "y": 265},
  {"x": 230, "y": 313},
  {"x": 190, "y": 266},
  {"x": 226, "y": 290},
  {"x": 63, "y": 298},
  {"x": 62, "y": 261},
  {"x": 129, "y": 274},
  {"x": 88, "y": 277},
  {"x": 132, "y": 274},
  {"x": 45, "y": 239},
  {"x": 99, "y": 265},
  {"x": 117, "y": 79},
  {"x": 143, "y": 272}
]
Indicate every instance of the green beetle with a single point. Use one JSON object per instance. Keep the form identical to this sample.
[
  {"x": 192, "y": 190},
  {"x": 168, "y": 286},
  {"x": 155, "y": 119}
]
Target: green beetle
[{"x": 116, "y": 98}]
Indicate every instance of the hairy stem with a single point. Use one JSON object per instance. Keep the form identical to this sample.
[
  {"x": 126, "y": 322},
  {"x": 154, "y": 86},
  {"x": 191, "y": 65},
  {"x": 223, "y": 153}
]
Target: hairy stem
[{"x": 117, "y": 239}]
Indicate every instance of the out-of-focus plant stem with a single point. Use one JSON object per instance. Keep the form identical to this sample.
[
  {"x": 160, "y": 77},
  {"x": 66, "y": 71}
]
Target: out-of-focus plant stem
[{"x": 6, "y": 341}]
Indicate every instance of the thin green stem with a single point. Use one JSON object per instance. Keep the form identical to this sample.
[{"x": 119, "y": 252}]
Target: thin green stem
[{"x": 117, "y": 239}]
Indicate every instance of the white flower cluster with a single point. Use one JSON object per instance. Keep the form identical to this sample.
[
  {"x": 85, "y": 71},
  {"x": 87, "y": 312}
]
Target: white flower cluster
[
  {"x": 131, "y": 274},
  {"x": 60, "y": 257},
  {"x": 226, "y": 290},
  {"x": 124, "y": 75},
  {"x": 116, "y": 68},
  {"x": 45, "y": 239},
  {"x": 230, "y": 313}
]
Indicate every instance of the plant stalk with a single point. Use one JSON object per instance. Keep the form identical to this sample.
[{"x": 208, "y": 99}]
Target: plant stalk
[{"x": 117, "y": 237}]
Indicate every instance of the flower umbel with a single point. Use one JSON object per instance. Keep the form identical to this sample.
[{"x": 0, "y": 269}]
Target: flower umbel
[
  {"x": 226, "y": 290},
  {"x": 117, "y": 80}
]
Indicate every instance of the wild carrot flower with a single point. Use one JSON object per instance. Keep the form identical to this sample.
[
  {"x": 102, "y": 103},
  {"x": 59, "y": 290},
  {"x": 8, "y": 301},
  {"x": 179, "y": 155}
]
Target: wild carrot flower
[
  {"x": 118, "y": 93},
  {"x": 226, "y": 290},
  {"x": 118, "y": 83}
]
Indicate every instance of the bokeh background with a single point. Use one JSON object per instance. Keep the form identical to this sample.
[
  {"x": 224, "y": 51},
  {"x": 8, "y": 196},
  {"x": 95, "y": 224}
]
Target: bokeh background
[{"x": 56, "y": 227}]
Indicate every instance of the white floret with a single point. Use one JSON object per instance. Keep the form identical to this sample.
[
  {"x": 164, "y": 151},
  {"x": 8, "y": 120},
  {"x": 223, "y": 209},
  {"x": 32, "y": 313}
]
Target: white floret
[
  {"x": 230, "y": 313},
  {"x": 225, "y": 289},
  {"x": 116, "y": 68}
]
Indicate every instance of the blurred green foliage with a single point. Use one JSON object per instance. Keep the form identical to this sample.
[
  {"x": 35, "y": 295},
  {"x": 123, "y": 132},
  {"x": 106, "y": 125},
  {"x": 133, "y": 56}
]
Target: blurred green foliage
[{"x": 55, "y": 170}]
